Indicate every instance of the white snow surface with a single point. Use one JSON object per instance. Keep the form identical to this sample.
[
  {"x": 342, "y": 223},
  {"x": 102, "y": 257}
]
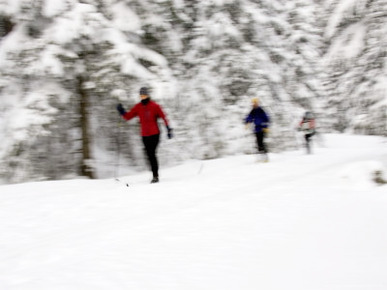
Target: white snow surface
[{"x": 302, "y": 222}]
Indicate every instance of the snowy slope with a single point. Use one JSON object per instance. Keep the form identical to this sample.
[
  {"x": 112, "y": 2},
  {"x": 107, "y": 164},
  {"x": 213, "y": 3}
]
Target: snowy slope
[{"x": 299, "y": 222}]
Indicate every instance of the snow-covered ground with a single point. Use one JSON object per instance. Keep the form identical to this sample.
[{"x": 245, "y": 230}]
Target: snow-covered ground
[{"x": 302, "y": 222}]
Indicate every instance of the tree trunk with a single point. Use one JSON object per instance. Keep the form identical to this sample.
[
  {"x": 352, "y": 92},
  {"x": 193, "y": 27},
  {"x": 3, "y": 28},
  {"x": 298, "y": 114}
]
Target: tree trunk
[
  {"x": 6, "y": 26},
  {"x": 85, "y": 168}
]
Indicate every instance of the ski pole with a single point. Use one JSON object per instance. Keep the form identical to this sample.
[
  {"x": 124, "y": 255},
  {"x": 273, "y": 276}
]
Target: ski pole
[{"x": 117, "y": 166}]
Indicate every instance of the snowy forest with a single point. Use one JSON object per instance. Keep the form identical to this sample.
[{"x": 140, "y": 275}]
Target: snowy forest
[{"x": 66, "y": 64}]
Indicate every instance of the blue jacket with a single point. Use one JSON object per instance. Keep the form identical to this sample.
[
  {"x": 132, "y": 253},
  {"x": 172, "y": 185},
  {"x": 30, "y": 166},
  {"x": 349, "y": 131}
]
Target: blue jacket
[{"x": 259, "y": 117}]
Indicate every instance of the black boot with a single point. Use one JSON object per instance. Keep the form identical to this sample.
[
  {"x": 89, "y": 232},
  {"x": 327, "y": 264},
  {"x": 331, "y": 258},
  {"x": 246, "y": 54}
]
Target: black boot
[{"x": 155, "y": 179}]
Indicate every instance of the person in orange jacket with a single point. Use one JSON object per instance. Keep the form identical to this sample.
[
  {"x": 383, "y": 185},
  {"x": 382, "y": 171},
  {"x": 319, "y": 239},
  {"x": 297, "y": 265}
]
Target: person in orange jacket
[
  {"x": 148, "y": 113},
  {"x": 308, "y": 127}
]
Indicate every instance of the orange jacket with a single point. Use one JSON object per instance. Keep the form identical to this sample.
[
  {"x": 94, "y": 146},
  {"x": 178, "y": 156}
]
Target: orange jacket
[{"x": 307, "y": 124}]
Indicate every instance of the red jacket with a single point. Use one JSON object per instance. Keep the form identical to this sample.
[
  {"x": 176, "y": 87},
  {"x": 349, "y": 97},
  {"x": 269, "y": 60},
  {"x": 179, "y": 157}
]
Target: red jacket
[{"x": 148, "y": 115}]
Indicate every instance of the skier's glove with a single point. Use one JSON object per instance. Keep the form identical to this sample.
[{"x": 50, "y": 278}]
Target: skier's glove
[
  {"x": 170, "y": 132},
  {"x": 121, "y": 109},
  {"x": 265, "y": 130}
]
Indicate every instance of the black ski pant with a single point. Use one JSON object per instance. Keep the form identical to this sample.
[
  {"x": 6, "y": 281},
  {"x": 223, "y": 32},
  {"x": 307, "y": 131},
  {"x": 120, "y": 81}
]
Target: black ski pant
[
  {"x": 150, "y": 144},
  {"x": 260, "y": 143},
  {"x": 308, "y": 138}
]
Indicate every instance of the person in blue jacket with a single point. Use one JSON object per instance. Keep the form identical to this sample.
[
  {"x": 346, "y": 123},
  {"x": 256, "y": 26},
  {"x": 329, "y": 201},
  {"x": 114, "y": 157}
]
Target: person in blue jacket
[{"x": 261, "y": 122}]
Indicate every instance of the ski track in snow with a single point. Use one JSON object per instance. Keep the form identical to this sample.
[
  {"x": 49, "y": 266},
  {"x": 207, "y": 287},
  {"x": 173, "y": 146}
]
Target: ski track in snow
[{"x": 298, "y": 222}]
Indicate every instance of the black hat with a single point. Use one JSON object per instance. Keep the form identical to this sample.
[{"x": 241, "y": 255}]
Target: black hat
[
  {"x": 144, "y": 91},
  {"x": 308, "y": 115}
]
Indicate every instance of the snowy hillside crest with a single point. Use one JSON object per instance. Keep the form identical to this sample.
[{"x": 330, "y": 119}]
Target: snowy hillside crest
[{"x": 317, "y": 221}]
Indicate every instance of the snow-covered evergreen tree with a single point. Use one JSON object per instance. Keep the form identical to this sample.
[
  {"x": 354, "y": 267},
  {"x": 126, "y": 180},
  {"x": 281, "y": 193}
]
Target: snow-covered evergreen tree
[
  {"x": 226, "y": 52},
  {"x": 356, "y": 64},
  {"x": 66, "y": 64},
  {"x": 60, "y": 81}
]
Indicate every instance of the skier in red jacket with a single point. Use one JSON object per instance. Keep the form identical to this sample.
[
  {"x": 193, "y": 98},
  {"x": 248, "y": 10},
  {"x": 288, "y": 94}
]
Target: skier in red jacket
[{"x": 148, "y": 112}]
